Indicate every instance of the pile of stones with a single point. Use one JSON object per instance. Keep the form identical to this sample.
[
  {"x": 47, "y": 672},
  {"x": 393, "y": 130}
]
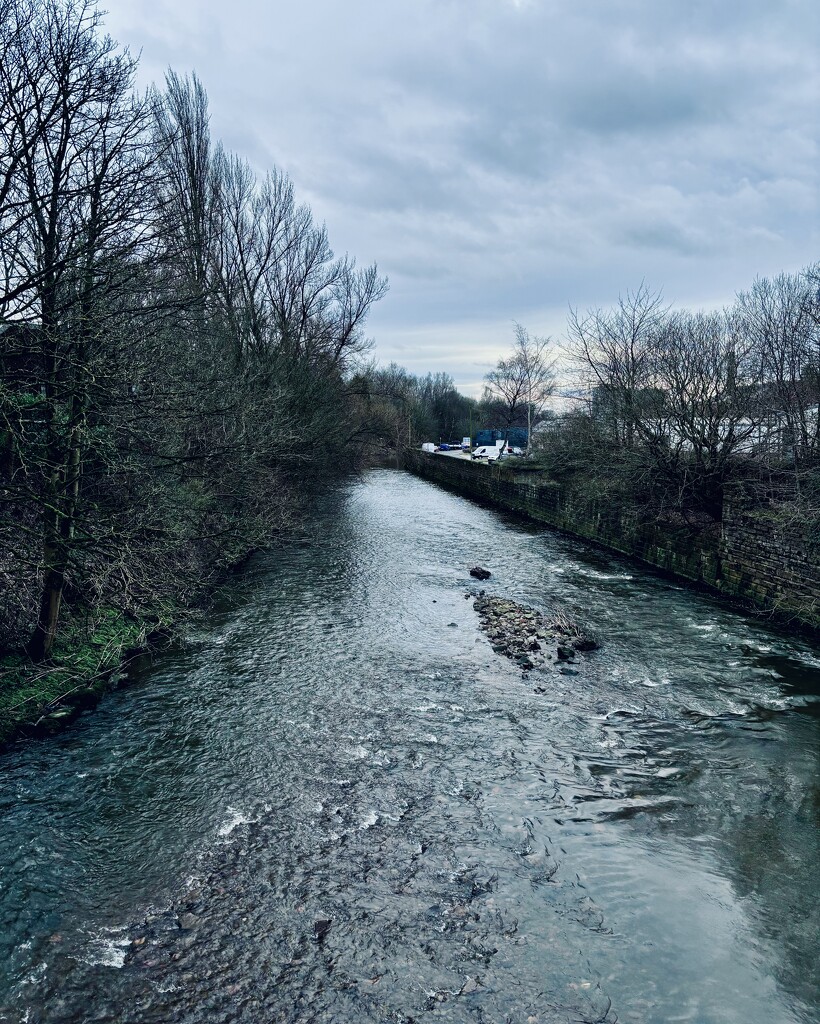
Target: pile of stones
[{"x": 526, "y": 636}]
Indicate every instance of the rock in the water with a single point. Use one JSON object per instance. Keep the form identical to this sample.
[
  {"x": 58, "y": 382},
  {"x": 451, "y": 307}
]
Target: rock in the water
[
  {"x": 187, "y": 921},
  {"x": 320, "y": 928},
  {"x": 479, "y": 573},
  {"x": 470, "y": 985}
]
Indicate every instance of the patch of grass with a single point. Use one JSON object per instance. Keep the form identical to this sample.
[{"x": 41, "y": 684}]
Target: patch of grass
[
  {"x": 571, "y": 631},
  {"x": 42, "y": 697}
]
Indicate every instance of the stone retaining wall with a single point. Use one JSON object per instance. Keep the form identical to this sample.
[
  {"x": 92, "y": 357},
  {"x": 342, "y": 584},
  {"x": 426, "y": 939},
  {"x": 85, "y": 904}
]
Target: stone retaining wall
[{"x": 753, "y": 556}]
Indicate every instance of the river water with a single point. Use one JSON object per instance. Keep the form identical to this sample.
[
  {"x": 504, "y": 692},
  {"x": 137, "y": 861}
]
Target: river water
[{"x": 332, "y": 801}]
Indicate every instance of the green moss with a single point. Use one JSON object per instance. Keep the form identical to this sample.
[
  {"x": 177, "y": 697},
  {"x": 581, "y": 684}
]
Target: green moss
[{"x": 42, "y": 697}]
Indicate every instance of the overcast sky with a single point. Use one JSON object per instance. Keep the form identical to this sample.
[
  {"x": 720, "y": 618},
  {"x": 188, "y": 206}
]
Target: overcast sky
[{"x": 504, "y": 159}]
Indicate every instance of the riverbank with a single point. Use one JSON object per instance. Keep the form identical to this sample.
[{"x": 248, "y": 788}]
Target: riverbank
[
  {"x": 89, "y": 659},
  {"x": 95, "y": 646},
  {"x": 754, "y": 557}
]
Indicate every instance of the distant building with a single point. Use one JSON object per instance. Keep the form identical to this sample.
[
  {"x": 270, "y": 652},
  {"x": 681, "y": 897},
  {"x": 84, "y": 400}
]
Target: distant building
[{"x": 515, "y": 436}]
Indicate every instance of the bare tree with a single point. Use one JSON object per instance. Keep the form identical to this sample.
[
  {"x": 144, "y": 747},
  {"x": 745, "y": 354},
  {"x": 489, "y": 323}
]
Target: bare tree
[
  {"x": 17, "y": 107},
  {"x": 188, "y": 187},
  {"x": 520, "y": 384},
  {"x": 780, "y": 318},
  {"x": 677, "y": 393},
  {"x": 81, "y": 196},
  {"x": 614, "y": 350},
  {"x": 534, "y": 355},
  {"x": 701, "y": 413},
  {"x": 506, "y": 389}
]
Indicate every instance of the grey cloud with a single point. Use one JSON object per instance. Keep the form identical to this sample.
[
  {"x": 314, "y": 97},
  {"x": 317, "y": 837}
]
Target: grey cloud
[
  {"x": 504, "y": 159},
  {"x": 657, "y": 234}
]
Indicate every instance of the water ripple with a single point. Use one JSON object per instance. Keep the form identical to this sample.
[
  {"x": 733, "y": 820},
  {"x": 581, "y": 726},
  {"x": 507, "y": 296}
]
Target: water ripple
[{"x": 327, "y": 803}]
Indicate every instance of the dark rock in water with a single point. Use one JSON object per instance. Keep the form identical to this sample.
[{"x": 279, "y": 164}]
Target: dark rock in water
[
  {"x": 453, "y": 624},
  {"x": 187, "y": 921},
  {"x": 586, "y": 643},
  {"x": 565, "y": 653},
  {"x": 479, "y": 573},
  {"x": 320, "y": 928}
]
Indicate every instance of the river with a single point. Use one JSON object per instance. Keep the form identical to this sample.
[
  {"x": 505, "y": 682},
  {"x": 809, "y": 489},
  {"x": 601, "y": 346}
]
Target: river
[{"x": 332, "y": 801}]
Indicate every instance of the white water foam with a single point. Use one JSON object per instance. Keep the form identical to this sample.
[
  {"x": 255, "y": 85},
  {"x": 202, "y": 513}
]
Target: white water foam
[
  {"x": 369, "y": 820},
  {"x": 108, "y": 948},
  {"x": 233, "y": 821},
  {"x": 593, "y": 574}
]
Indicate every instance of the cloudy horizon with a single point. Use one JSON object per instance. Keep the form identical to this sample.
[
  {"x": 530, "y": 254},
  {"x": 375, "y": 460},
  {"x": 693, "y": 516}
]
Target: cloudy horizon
[{"x": 503, "y": 161}]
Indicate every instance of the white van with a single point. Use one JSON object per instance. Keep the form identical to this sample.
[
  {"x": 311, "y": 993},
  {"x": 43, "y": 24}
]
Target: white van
[{"x": 490, "y": 452}]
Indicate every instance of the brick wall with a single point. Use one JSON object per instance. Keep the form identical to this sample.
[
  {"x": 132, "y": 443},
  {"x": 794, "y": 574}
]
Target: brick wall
[{"x": 755, "y": 556}]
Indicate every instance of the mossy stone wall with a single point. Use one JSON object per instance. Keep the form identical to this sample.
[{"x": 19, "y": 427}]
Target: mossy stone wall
[{"x": 752, "y": 556}]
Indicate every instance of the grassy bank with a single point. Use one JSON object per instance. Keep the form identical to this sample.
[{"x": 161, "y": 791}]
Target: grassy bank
[{"x": 37, "y": 699}]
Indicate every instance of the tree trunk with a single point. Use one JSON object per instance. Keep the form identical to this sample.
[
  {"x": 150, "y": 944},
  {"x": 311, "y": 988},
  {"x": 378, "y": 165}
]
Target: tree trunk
[
  {"x": 42, "y": 639},
  {"x": 65, "y": 461},
  {"x": 59, "y": 532}
]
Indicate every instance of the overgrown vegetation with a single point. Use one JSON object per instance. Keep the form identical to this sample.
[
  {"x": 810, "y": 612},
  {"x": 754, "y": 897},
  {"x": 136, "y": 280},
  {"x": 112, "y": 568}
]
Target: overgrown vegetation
[
  {"x": 178, "y": 346},
  {"x": 674, "y": 409},
  {"x": 40, "y": 697}
]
